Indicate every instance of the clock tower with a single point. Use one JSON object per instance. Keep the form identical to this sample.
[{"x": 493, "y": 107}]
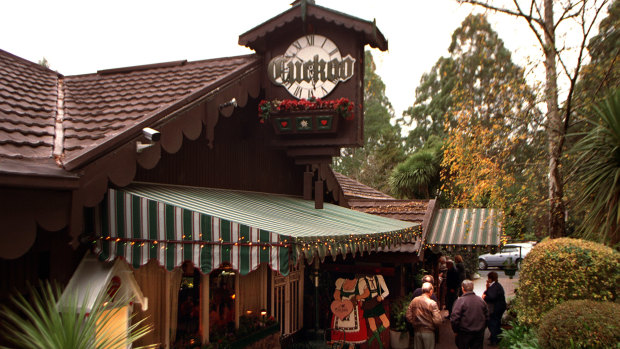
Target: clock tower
[{"x": 313, "y": 60}]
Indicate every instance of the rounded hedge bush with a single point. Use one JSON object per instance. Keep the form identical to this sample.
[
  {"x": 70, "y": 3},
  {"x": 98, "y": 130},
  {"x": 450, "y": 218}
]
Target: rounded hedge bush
[
  {"x": 558, "y": 270},
  {"x": 581, "y": 324}
]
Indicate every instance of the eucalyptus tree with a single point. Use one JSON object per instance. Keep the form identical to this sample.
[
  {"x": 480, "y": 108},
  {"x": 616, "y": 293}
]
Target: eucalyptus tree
[
  {"x": 478, "y": 102},
  {"x": 429, "y": 114},
  {"x": 545, "y": 19}
]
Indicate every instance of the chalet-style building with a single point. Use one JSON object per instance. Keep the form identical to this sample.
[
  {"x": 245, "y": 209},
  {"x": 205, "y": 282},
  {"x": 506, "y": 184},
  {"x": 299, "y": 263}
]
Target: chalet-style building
[{"x": 210, "y": 179}]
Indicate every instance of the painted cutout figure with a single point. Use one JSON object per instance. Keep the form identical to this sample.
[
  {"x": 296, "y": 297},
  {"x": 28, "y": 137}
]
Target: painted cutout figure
[
  {"x": 373, "y": 307},
  {"x": 354, "y": 324}
]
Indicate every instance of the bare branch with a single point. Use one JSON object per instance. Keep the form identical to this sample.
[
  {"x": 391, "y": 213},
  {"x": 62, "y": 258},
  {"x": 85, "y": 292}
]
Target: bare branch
[
  {"x": 565, "y": 15},
  {"x": 502, "y": 10},
  {"x": 573, "y": 78}
]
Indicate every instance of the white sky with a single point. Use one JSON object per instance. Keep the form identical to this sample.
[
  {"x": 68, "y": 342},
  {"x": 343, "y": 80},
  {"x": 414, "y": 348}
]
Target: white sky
[{"x": 83, "y": 36}]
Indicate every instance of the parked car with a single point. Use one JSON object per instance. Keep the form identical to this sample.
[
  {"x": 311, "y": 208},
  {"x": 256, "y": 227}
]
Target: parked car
[{"x": 516, "y": 251}]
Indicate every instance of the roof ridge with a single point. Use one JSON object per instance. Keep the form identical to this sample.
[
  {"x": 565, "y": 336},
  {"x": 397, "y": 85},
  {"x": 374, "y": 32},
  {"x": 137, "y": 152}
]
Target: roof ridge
[
  {"x": 29, "y": 63},
  {"x": 141, "y": 67},
  {"x": 157, "y": 65}
]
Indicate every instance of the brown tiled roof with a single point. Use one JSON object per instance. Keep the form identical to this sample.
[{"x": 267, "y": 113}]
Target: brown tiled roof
[
  {"x": 103, "y": 105},
  {"x": 353, "y": 189},
  {"x": 363, "y": 198},
  {"x": 96, "y": 109},
  {"x": 368, "y": 30},
  {"x": 27, "y": 109},
  {"x": 404, "y": 210}
]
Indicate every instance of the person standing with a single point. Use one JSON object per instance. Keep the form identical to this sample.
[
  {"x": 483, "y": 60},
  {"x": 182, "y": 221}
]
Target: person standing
[
  {"x": 418, "y": 291},
  {"x": 423, "y": 313},
  {"x": 469, "y": 318},
  {"x": 443, "y": 271},
  {"x": 460, "y": 269},
  {"x": 453, "y": 285},
  {"x": 496, "y": 300}
]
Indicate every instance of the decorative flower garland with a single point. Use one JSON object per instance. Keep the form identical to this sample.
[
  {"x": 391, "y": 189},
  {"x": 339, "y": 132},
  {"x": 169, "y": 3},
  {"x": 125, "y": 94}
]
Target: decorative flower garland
[{"x": 343, "y": 106}]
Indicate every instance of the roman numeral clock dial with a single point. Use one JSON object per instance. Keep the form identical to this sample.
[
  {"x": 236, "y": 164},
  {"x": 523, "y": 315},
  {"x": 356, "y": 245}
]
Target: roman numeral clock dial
[{"x": 312, "y": 66}]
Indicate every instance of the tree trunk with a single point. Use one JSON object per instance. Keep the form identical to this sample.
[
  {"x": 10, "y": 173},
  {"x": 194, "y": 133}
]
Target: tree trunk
[{"x": 555, "y": 130}]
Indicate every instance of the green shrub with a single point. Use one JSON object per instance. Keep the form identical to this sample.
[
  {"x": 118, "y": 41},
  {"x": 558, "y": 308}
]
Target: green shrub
[
  {"x": 398, "y": 313},
  {"x": 518, "y": 337},
  {"x": 563, "y": 269},
  {"x": 581, "y": 324}
]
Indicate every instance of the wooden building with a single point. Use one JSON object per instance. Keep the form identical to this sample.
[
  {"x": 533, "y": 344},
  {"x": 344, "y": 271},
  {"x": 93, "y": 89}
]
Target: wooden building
[{"x": 210, "y": 178}]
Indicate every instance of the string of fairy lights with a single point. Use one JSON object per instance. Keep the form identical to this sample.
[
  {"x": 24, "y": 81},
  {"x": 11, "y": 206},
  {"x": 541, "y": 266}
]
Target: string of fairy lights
[
  {"x": 340, "y": 243},
  {"x": 308, "y": 246}
]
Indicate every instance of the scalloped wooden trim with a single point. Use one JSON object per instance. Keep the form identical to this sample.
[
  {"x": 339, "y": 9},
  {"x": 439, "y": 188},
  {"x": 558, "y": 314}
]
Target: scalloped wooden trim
[{"x": 119, "y": 167}]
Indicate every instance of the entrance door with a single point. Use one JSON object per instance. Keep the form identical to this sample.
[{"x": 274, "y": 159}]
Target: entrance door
[{"x": 287, "y": 299}]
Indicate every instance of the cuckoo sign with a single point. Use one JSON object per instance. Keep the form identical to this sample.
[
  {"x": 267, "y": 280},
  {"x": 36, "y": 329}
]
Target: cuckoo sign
[{"x": 311, "y": 67}]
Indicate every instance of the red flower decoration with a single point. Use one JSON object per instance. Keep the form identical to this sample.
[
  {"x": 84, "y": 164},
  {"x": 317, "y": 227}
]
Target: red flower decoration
[{"x": 343, "y": 106}]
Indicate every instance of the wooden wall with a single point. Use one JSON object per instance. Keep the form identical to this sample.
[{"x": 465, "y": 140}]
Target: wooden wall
[{"x": 242, "y": 158}]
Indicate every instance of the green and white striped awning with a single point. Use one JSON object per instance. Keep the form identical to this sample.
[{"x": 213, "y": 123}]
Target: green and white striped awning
[
  {"x": 466, "y": 227},
  {"x": 210, "y": 227}
]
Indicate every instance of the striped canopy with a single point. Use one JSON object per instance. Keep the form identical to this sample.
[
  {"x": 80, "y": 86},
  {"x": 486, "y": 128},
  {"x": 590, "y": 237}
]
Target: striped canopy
[
  {"x": 211, "y": 227},
  {"x": 466, "y": 227}
]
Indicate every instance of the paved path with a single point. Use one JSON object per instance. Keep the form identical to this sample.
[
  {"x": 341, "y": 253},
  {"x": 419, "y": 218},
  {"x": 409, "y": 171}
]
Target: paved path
[{"x": 446, "y": 336}]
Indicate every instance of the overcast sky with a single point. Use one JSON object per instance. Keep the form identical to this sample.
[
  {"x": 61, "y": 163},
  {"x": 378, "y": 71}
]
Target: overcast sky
[{"x": 83, "y": 36}]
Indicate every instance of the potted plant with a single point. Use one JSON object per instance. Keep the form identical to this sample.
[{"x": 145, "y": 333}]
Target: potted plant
[
  {"x": 399, "y": 334},
  {"x": 510, "y": 267}
]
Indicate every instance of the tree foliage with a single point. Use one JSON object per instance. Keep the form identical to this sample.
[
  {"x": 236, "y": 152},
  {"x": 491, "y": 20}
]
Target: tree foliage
[
  {"x": 430, "y": 111},
  {"x": 491, "y": 127},
  {"x": 598, "y": 170},
  {"x": 545, "y": 19},
  {"x": 382, "y": 141},
  {"x": 602, "y": 74},
  {"x": 418, "y": 176}
]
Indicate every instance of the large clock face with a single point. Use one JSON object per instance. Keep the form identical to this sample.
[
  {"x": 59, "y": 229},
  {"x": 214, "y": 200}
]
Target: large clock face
[{"x": 311, "y": 67}]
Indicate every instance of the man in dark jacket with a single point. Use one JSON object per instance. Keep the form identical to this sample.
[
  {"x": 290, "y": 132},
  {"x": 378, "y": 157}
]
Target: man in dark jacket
[
  {"x": 453, "y": 282},
  {"x": 418, "y": 291},
  {"x": 469, "y": 318},
  {"x": 496, "y": 300}
]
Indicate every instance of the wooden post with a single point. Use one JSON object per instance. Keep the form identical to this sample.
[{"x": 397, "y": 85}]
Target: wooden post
[
  {"x": 308, "y": 184},
  {"x": 318, "y": 194},
  {"x": 205, "y": 308}
]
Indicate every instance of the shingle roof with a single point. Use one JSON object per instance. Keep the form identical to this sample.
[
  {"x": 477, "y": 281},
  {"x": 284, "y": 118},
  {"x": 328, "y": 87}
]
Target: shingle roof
[
  {"x": 404, "y": 210},
  {"x": 27, "y": 109},
  {"x": 353, "y": 189},
  {"x": 94, "y": 108},
  {"x": 100, "y": 106}
]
